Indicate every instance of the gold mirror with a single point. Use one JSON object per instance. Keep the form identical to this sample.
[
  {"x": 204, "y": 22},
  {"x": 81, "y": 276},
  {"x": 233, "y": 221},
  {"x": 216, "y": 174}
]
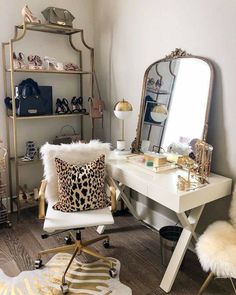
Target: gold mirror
[{"x": 175, "y": 102}]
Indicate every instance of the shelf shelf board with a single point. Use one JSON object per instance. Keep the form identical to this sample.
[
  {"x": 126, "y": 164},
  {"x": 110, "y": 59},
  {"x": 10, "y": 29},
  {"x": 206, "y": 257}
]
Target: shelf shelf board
[
  {"x": 154, "y": 124},
  {"x": 25, "y": 163},
  {"x": 47, "y": 28},
  {"x": 24, "y": 204},
  {"x": 50, "y": 116},
  {"x": 50, "y": 71}
]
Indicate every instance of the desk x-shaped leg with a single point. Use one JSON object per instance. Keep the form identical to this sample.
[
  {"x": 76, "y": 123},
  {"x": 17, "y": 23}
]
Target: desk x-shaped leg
[
  {"x": 189, "y": 224},
  {"x": 120, "y": 194}
]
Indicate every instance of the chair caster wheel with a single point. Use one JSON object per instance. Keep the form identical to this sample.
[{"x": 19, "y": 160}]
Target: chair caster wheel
[
  {"x": 106, "y": 244},
  {"x": 68, "y": 240},
  {"x": 9, "y": 225},
  {"x": 112, "y": 272},
  {"x": 64, "y": 289},
  {"x": 38, "y": 263}
]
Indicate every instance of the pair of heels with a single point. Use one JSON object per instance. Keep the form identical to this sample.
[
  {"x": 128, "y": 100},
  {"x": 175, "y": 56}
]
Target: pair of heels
[
  {"x": 71, "y": 67},
  {"x": 62, "y": 106},
  {"x": 77, "y": 105},
  {"x": 52, "y": 64},
  {"x": 35, "y": 62},
  {"x": 31, "y": 151},
  {"x": 28, "y": 15},
  {"x": 19, "y": 61}
]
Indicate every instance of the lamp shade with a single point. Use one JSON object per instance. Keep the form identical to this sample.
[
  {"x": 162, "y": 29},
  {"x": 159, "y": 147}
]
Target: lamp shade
[
  {"x": 159, "y": 113},
  {"x": 122, "y": 109}
]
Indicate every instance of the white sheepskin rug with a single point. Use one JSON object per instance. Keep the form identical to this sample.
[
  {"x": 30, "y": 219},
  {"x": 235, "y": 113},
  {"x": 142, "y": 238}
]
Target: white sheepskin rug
[
  {"x": 216, "y": 249},
  {"x": 75, "y": 153},
  {"x": 83, "y": 278}
]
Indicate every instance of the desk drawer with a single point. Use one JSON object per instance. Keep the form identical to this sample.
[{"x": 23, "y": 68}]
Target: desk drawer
[{"x": 128, "y": 179}]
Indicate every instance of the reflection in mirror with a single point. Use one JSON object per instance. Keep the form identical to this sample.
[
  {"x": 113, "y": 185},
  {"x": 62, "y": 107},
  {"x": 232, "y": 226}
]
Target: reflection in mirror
[{"x": 175, "y": 102}]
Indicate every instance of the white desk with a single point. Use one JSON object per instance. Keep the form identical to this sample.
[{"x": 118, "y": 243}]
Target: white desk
[{"x": 161, "y": 187}]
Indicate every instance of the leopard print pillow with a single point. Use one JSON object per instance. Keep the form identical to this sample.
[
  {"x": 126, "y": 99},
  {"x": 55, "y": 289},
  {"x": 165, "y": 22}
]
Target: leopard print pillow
[{"x": 81, "y": 187}]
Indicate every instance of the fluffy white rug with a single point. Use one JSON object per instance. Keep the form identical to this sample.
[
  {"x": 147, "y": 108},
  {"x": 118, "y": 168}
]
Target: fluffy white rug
[{"x": 90, "y": 279}]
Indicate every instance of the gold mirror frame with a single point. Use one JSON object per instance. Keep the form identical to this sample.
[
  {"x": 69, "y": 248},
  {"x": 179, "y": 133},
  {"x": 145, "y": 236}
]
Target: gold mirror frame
[{"x": 176, "y": 54}]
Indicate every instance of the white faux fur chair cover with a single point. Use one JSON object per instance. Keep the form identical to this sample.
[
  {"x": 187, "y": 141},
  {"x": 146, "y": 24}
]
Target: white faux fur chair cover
[
  {"x": 216, "y": 247},
  {"x": 75, "y": 153}
]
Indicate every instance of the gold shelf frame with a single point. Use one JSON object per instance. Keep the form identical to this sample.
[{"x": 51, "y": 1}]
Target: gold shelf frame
[{"x": 19, "y": 33}]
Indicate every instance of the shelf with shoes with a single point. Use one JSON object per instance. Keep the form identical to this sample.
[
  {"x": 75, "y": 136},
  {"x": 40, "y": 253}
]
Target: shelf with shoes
[
  {"x": 20, "y": 162},
  {"x": 50, "y": 71},
  {"x": 55, "y": 116},
  {"x": 9, "y": 75},
  {"x": 25, "y": 204}
]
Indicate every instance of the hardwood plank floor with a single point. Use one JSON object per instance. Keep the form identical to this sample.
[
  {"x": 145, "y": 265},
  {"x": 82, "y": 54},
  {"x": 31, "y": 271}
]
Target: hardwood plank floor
[{"x": 136, "y": 246}]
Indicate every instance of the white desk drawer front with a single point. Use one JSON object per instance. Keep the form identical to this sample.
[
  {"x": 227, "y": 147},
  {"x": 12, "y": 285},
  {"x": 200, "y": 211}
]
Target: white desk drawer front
[{"x": 129, "y": 179}]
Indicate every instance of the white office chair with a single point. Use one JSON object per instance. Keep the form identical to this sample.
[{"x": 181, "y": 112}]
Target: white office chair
[
  {"x": 216, "y": 249},
  {"x": 60, "y": 221}
]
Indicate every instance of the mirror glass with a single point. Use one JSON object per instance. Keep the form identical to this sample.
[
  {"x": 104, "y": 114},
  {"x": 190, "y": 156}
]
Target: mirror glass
[{"x": 175, "y": 103}]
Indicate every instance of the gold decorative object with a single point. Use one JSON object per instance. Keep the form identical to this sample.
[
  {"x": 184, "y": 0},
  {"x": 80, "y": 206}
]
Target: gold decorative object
[
  {"x": 198, "y": 169},
  {"x": 189, "y": 183},
  {"x": 203, "y": 160},
  {"x": 164, "y": 95},
  {"x": 177, "y": 53}
]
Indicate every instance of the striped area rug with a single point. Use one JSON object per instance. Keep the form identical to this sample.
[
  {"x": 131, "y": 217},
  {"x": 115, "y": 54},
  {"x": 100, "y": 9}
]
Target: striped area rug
[{"x": 83, "y": 278}]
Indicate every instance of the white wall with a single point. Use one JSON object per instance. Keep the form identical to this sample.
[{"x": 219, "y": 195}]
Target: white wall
[
  {"x": 130, "y": 35},
  {"x": 63, "y": 85}
]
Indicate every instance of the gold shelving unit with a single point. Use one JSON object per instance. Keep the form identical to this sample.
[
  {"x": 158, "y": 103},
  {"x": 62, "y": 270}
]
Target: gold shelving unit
[{"x": 8, "y": 77}]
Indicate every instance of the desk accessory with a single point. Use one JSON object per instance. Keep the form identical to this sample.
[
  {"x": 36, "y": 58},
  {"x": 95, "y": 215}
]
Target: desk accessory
[
  {"x": 122, "y": 111},
  {"x": 198, "y": 169},
  {"x": 149, "y": 163},
  {"x": 203, "y": 159}
]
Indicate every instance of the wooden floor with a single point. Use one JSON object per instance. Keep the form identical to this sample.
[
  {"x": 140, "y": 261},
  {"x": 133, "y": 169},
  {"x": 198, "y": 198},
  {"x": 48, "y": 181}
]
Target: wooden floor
[{"x": 136, "y": 246}]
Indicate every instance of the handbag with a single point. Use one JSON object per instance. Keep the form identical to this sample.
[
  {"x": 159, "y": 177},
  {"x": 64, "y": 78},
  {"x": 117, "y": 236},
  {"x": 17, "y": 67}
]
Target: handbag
[
  {"x": 67, "y": 139},
  {"x": 58, "y": 16},
  {"x": 33, "y": 100},
  {"x": 96, "y": 107}
]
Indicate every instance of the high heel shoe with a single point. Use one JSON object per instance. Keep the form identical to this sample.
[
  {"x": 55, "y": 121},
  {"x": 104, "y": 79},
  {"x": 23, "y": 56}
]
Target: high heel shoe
[
  {"x": 28, "y": 15},
  {"x": 65, "y": 103},
  {"x": 35, "y": 62},
  {"x": 52, "y": 64},
  {"x": 30, "y": 152},
  {"x": 71, "y": 67},
  {"x": 22, "y": 61},
  {"x": 38, "y": 62},
  {"x": 75, "y": 106},
  {"x": 16, "y": 64},
  {"x": 60, "y": 108}
]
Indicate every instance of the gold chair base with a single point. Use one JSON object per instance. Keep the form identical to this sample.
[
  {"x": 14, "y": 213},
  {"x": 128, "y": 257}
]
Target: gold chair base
[{"x": 77, "y": 247}]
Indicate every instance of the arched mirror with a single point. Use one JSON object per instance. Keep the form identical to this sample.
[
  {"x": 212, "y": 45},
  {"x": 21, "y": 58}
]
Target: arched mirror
[{"x": 175, "y": 102}]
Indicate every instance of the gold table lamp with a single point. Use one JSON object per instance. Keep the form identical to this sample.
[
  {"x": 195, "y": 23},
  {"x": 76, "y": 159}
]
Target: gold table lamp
[{"x": 122, "y": 111}]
